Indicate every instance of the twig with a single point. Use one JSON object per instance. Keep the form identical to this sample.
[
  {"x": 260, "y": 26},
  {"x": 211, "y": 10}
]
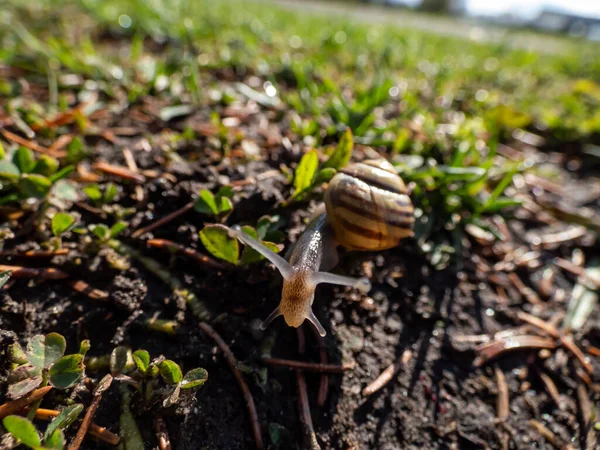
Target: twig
[
  {"x": 164, "y": 326},
  {"x": 307, "y": 366},
  {"x": 119, "y": 171},
  {"x": 189, "y": 252},
  {"x": 502, "y": 405},
  {"x": 497, "y": 347},
  {"x": 46, "y": 273},
  {"x": 539, "y": 323},
  {"x": 588, "y": 436},
  {"x": 84, "y": 288},
  {"x": 89, "y": 414},
  {"x": 163, "y": 220},
  {"x": 164, "y": 443},
  {"x": 100, "y": 433},
  {"x": 527, "y": 293},
  {"x": 567, "y": 342},
  {"x": 570, "y": 234},
  {"x": 14, "y": 406},
  {"x": 386, "y": 376},
  {"x": 131, "y": 164},
  {"x": 196, "y": 305},
  {"x": 232, "y": 363},
  {"x": 35, "y": 253},
  {"x": 31, "y": 145},
  {"x": 576, "y": 270},
  {"x": 305, "y": 417},
  {"x": 324, "y": 381},
  {"x": 551, "y": 388},
  {"x": 548, "y": 435}
]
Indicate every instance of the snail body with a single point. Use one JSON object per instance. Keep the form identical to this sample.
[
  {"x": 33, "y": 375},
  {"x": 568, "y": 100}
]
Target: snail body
[{"x": 367, "y": 209}]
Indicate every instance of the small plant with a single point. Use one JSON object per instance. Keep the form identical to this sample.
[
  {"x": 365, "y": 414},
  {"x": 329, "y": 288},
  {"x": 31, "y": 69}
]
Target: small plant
[
  {"x": 60, "y": 224},
  {"x": 217, "y": 241},
  {"x": 103, "y": 233},
  {"x": 23, "y": 176},
  {"x": 101, "y": 196},
  {"x": 159, "y": 380},
  {"x": 309, "y": 175},
  {"x": 215, "y": 205},
  {"x": 44, "y": 362}
]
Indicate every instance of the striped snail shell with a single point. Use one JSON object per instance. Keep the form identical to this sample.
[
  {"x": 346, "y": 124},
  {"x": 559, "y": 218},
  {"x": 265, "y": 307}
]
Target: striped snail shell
[{"x": 368, "y": 206}]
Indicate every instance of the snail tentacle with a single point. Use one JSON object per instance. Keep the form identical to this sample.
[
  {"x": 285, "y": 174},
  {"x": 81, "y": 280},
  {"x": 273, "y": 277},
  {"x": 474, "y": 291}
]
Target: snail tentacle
[
  {"x": 363, "y": 284},
  {"x": 284, "y": 267},
  {"x": 313, "y": 319},
  {"x": 274, "y": 315}
]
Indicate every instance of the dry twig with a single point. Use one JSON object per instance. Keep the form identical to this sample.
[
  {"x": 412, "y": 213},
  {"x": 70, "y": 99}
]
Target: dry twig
[
  {"x": 386, "y": 376},
  {"x": 189, "y": 252},
  {"x": 499, "y": 346},
  {"x": 89, "y": 414},
  {"x": 163, "y": 220},
  {"x": 119, "y": 171},
  {"x": 15, "y": 406},
  {"x": 307, "y": 366},
  {"x": 46, "y": 273},
  {"x": 502, "y": 405},
  {"x": 100, "y": 433}
]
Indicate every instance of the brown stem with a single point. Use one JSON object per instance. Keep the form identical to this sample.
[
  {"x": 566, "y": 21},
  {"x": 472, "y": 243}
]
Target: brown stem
[
  {"x": 84, "y": 288},
  {"x": 232, "y": 363},
  {"x": 539, "y": 323},
  {"x": 389, "y": 373},
  {"x": 305, "y": 417},
  {"x": 100, "y": 433},
  {"x": 118, "y": 171},
  {"x": 567, "y": 342},
  {"x": 307, "y": 366},
  {"x": 89, "y": 414},
  {"x": 502, "y": 405},
  {"x": 163, "y": 220},
  {"x": 46, "y": 273},
  {"x": 189, "y": 252},
  {"x": 35, "y": 253},
  {"x": 14, "y": 406},
  {"x": 324, "y": 382},
  {"x": 31, "y": 145}
]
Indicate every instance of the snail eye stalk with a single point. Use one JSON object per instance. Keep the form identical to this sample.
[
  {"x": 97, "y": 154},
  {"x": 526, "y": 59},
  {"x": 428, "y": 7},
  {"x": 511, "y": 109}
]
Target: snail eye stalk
[{"x": 284, "y": 267}]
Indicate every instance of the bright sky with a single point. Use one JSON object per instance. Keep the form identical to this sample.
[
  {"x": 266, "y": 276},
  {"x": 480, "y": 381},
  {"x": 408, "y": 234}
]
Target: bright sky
[{"x": 530, "y": 8}]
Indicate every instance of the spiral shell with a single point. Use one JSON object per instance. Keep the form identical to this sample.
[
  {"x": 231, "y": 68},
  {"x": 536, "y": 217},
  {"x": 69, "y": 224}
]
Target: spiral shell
[{"x": 368, "y": 206}]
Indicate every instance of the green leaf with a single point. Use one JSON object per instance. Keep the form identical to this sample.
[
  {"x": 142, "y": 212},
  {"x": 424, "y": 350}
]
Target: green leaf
[
  {"x": 342, "y": 153},
  {"x": 23, "y": 387},
  {"x": 194, "y": 378},
  {"x": 225, "y": 191},
  {"x": 225, "y": 205},
  {"x": 118, "y": 360},
  {"x": 152, "y": 371},
  {"x": 249, "y": 255},
  {"x": 506, "y": 180},
  {"x": 2, "y": 152},
  {"x": 500, "y": 204},
  {"x": 206, "y": 203},
  {"x": 142, "y": 360},
  {"x": 75, "y": 151},
  {"x": 93, "y": 192},
  {"x": 23, "y": 430},
  {"x": 65, "y": 190},
  {"x": 65, "y": 418},
  {"x": 101, "y": 231},
  {"x": 324, "y": 175},
  {"x": 66, "y": 371},
  {"x": 61, "y": 222},
  {"x": 84, "y": 347},
  {"x": 33, "y": 185},
  {"x": 170, "y": 371},
  {"x": 55, "y": 346},
  {"x": 217, "y": 241},
  {"x": 305, "y": 173},
  {"x": 171, "y": 112},
  {"x": 4, "y": 276},
  {"x": 36, "y": 350},
  {"x": 46, "y": 165},
  {"x": 9, "y": 170},
  {"x": 55, "y": 441},
  {"x": 15, "y": 351},
  {"x": 117, "y": 228},
  {"x": 24, "y": 160},
  {"x": 62, "y": 173},
  {"x": 110, "y": 192}
]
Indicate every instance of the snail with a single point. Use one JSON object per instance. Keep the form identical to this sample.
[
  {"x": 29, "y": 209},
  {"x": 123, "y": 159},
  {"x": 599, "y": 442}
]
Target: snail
[{"x": 367, "y": 209}]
